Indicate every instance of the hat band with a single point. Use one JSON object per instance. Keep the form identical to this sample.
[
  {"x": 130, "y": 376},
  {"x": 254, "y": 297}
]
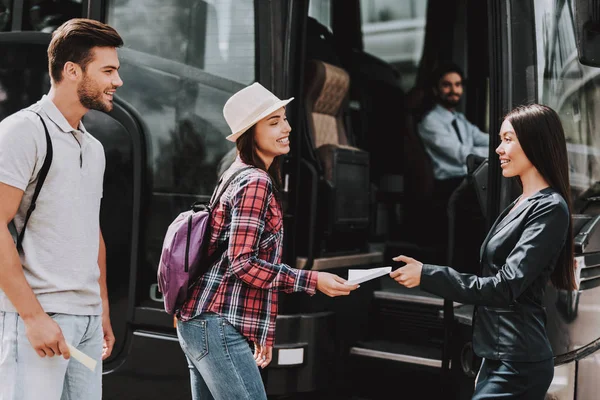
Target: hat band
[{"x": 256, "y": 113}]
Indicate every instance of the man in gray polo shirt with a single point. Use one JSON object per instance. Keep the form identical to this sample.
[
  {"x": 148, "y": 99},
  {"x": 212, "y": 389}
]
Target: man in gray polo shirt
[{"x": 53, "y": 291}]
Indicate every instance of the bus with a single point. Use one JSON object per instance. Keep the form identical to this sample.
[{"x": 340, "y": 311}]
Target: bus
[{"x": 356, "y": 184}]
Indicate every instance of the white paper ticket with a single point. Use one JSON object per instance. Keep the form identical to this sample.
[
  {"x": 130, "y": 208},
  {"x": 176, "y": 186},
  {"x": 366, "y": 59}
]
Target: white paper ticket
[{"x": 83, "y": 358}]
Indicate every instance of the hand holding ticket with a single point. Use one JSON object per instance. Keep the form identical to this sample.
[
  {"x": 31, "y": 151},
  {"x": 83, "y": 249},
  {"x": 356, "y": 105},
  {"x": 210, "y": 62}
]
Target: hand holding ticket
[
  {"x": 83, "y": 358},
  {"x": 356, "y": 276}
]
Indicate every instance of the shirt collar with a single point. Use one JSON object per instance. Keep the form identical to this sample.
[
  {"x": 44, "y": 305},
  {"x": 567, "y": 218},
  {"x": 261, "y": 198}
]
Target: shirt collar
[
  {"x": 444, "y": 114},
  {"x": 57, "y": 117}
]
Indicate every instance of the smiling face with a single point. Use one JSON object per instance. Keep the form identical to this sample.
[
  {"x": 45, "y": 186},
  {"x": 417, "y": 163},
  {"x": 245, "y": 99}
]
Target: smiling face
[
  {"x": 100, "y": 80},
  {"x": 449, "y": 90},
  {"x": 272, "y": 136},
  {"x": 513, "y": 160}
]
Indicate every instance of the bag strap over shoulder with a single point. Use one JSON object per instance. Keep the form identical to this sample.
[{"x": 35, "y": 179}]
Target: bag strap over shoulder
[
  {"x": 214, "y": 200},
  {"x": 41, "y": 178},
  {"x": 223, "y": 246}
]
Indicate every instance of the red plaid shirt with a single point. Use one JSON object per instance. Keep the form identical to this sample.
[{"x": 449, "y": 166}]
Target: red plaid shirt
[{"x": 243, "y": 284}]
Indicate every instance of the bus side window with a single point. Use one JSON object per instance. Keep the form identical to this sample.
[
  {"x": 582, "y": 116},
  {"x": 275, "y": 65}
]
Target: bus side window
[
  {"x": 215, "y": 36},
  {"x": 47, "y": 15},
  {"x": 572, "y": 89},
  {"x": 394, "y": 31},
  {"x": 180, "y": 63}
]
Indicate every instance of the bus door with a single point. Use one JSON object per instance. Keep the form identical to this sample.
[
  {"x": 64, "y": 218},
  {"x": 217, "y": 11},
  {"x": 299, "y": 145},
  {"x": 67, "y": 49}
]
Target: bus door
[{"x": 389, "y": 50}]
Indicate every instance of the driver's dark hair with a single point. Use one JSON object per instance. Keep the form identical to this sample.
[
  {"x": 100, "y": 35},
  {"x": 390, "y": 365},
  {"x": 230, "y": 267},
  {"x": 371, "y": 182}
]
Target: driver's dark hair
[{"x": 445, "y": 68}]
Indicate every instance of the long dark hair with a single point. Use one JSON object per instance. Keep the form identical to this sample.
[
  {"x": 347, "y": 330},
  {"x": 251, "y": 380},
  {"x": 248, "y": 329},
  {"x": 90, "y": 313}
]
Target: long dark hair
[
  {"x": 542, "y": 138},
  {"x": 246, "y": 146}
]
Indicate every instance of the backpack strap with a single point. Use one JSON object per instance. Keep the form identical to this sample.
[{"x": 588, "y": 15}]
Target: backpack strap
[
  {"x": 223, "y": 246},
  {"x": 41, "y": 178},
  {"x": 214, "y": 200}
]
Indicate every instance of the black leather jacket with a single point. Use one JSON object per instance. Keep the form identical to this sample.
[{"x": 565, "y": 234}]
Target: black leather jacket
[{"x": 517, "y": 258}]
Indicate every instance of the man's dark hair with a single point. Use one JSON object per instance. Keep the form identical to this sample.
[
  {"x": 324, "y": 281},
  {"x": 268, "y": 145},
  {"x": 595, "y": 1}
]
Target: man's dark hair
[
  {"x": 542, "y": 139},
  {"x": 73, "y": 41},
  {"x": 445, "y": 68}
]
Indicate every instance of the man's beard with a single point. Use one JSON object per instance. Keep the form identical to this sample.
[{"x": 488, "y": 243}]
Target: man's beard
[
  {"x": 447, "y": 102},
  {"x": 91, "y": 98}
]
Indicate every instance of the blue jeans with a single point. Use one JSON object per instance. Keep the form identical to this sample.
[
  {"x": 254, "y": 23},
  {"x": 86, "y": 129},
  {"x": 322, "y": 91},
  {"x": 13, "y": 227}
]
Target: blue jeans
[
  {"x": 24, "y": 375},
  {"x": 220, "y": 359}
]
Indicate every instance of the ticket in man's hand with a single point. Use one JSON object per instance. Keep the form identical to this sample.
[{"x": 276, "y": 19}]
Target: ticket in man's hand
[{"x": 83, "y": 358}]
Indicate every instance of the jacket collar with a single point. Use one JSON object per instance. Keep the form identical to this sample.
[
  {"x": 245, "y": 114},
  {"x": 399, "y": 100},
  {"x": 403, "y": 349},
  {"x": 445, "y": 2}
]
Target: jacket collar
[{"x": 506, "y": 217}]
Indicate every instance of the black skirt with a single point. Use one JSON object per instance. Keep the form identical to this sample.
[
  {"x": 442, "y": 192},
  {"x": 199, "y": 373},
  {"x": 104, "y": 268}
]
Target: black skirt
[{"x": 500, "y": 379}]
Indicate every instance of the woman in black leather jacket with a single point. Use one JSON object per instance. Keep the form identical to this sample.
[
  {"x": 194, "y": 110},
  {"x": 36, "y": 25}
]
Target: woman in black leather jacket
[{"x": 530, "y": 244}]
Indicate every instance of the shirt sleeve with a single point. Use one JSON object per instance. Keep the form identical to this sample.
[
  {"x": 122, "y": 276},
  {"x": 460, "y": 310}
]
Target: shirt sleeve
[
  {"x": 249, "y": 210},
  {"x": 542, "y": 238},
  {"x": 480, "y": 139},
  {"x": 18, "y": 151}
]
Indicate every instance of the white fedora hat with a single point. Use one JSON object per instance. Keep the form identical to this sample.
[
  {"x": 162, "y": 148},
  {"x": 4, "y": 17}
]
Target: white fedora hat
[{"x": 248, "y": 106}]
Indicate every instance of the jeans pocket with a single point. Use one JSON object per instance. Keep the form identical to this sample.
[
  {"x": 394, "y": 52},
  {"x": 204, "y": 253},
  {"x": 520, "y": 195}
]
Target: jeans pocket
[{"x": 194, "y": 337}]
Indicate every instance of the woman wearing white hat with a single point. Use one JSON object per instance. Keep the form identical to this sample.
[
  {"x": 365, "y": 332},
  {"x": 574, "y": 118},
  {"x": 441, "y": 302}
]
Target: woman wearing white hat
[{"x": 235, "y": 302}]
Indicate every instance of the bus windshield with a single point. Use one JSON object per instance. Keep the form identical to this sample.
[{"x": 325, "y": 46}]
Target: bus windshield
[{"x": 573, "y": 90}]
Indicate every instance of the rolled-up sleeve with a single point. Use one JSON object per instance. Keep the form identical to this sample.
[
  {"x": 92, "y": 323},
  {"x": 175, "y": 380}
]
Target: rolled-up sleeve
[{"x": 249, "y": 210}]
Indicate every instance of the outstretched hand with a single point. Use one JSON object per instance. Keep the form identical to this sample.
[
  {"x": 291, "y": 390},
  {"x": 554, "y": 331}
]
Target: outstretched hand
[
  {"x": 408, "y": 275},
  {"x": 332, "y": 285}
]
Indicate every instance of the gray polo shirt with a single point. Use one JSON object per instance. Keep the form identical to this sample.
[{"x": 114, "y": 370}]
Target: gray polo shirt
[{"x": 60, "y": 247}]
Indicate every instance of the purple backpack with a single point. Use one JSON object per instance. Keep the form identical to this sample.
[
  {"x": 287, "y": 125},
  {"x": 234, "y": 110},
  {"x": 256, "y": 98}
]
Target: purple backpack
[{"x": 183, "y": 258}]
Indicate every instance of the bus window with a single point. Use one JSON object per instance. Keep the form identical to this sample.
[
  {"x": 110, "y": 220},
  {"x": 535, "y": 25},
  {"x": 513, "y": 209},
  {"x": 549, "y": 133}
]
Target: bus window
[
  {"x": 394, "y": 31},
  {"x": 180, "y": 63},
  {"x": 321, "y": 11},
  {"x": 573, "y": 90},
  {"x": 23, "y": 76},
  {"x": 5, "y": 15},
  {"x": 47, "y": 15},
  {"x": 216, "y": 36}
]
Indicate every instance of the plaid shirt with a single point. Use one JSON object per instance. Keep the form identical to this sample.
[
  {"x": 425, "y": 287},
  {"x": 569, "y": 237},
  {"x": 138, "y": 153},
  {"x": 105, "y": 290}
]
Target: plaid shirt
[{"x": 243, "y": 284}]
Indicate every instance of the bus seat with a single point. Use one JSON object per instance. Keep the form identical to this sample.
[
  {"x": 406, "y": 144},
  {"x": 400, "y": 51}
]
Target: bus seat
[
  {"x": 326, "y": 93},
  {"x": 345, "y": 167}
]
